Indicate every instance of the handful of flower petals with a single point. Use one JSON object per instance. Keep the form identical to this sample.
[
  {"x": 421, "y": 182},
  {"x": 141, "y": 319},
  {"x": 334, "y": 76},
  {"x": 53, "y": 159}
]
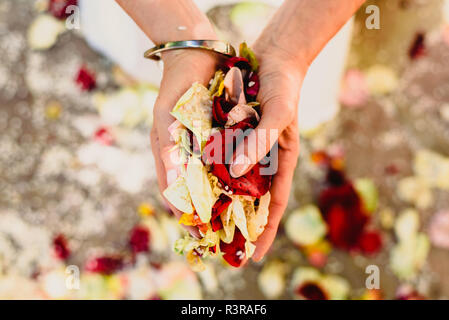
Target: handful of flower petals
[{"x": 230, "y": 213}]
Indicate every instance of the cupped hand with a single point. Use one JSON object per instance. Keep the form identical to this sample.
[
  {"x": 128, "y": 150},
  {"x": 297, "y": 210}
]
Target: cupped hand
[
  {"x": 181, "y": 69},
  {"x": 280, "y": 83}
]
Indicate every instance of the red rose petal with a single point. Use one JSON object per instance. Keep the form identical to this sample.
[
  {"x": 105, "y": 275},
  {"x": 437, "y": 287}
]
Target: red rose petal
[
  {"x": 413, "y": 295},
  {"x": 220, "y": 205},
  {"x": 250, "y": 79},
  {"x": 239, "y": 62},
  {"x": 104, "y": 265},
  {"x": 252, "y": 86},
  {"x": 252, "y": 183},
  {"x": 194, "y": 145},
  {"x": 86, "y": 79},
  {"x": 198, "y": 252},
  {"x": 224, "y": 143},
  {"x": 221, "y": 172},
  {"x": 343, "y": 213},
  {"x": 312, "y": 291},
  {"x": 140, "y": 239},
  {"x": 104, "y": 136},
  {"x": 370, "y": 242},
  {"x": 58, "y": 7},
  {"x": 336, "y": 178},
  {"x": 417, "y": 49},
  {"x": 60, "y": 247},
  {"x": 234, "y": 251},
  {"x": 221, "y": 145},
  {"x": 220, "y": 110},
  {"x": 340, "y": 233}
]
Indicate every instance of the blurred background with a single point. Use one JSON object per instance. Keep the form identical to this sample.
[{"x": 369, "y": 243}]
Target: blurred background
[{"x": 80, "y": 212}]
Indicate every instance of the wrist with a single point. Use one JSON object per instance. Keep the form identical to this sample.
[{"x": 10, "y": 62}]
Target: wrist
[
  {"x": 169, "y": 20},
  {"x": 285, "y": 59},
  {"x": 189, "y": 56},
  {"x": 200, "y": 63},
  {"x": 200, "y": 30},
  {"x": 182, "y": 21}
]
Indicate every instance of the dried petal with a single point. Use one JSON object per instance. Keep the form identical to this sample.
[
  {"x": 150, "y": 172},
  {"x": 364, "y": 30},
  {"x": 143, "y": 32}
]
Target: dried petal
[
  {"x": 253, "y": 183},
  {"x": 220, "y": 205},
  {"x": 234, "y": 252},
  {"x": 312, "y": 291},
  {"x": 104, "y": 136},
  {"x": 342, "y": 210},
  {"x": 234, "y": 86},
  {"x": 60, "y": 247},
  {"x": 44, "y": 31},
  {"x": 140, "y": 239},
  {"x": 252, "y": 86},
  {"x": 354, "y": 92},
  {"x": 104, "y": 265},
  {"x": 249, "y": 55},
  {"x": 370, "y": 242},
  {"x": 220, "y": 110},
  {"x": 241, "y": 112},
  {"x": 439, "y": 229},
  {"x": 305, "y": 226},
  {"x": 418, "y": 48},
  {"x": 58, "y": 7},
  {"x": 86, "y": 79},
  {"x": 239, "y": 62}
]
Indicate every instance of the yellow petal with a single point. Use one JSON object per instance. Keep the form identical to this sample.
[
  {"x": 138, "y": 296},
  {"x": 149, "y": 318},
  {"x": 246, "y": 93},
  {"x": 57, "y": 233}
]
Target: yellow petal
[
  {"x": 145, "y": 209},
  {"x": 178, "y": 195},
  {"x": 200, "y": 189},
  {"x": 187, "y": 219}
]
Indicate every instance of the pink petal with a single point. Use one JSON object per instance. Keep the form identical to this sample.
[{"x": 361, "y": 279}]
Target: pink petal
[
  {"x": 354, "y": 92},
  {"x": 234, "y": 88},
  {"x": 439, "y": 229}
]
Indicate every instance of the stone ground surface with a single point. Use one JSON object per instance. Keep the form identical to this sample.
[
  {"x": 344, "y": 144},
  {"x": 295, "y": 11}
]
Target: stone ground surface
[{"x": 44, "y": 194}]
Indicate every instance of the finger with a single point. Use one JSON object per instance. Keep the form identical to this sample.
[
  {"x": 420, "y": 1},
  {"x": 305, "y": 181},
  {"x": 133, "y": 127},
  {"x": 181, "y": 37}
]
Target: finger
[
  {"x": 162, "y": 181},
  {"x": 160, "y": 169},
  {"x": 275, "y": 118},
  {"x": 164, "y": 104},
  {"x": 167, "y": 151},
  {"x": 280, "y": 192}
]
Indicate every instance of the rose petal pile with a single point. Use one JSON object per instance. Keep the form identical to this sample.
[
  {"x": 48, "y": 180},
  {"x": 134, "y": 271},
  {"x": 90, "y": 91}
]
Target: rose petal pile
[{"x": 230, "y": 213}]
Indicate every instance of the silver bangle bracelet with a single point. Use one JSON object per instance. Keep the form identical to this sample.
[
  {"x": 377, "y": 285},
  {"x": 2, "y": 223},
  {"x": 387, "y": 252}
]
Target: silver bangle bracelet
[{"x": 211, "y": 45}]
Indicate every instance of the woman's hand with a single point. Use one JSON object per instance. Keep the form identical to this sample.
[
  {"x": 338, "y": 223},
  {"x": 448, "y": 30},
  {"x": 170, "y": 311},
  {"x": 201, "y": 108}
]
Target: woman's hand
[
  {"x": 293, "y": 38},
  {"x": 181, "y": 69},
  {"x": 173, "y": 20},
  {"x": 280, "y": 83}
]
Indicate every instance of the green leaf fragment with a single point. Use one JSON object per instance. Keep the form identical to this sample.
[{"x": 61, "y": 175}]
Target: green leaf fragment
[{"x": 247, "y": 53}]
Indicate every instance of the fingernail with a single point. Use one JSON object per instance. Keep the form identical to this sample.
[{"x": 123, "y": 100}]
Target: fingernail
[{"x": 239, "y": 166}]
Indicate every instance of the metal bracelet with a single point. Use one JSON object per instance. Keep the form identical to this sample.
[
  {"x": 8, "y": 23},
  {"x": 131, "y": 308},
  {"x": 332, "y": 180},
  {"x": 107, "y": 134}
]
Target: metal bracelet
[{"x": 211, "y": 45}]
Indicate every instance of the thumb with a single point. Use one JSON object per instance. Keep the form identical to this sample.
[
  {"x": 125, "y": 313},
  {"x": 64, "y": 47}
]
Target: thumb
[{"x": 276, "y": 116}]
